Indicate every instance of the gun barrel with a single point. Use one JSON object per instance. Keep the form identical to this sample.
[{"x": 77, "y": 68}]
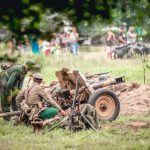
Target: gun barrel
[
  {"x": 10, "y": 114},
  {"x": 97, "y": 74},
  {"x": 113, "y": 81}
]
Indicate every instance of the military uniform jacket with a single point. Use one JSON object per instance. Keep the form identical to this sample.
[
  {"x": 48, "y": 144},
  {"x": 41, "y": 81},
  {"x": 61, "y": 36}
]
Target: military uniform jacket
[
  {"x": 35, "y": 94},
  {"x": 16, "y": 76}
]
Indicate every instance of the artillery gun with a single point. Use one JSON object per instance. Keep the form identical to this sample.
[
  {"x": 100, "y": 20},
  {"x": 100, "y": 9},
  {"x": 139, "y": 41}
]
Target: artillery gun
[{"x": 93, "y": 89}]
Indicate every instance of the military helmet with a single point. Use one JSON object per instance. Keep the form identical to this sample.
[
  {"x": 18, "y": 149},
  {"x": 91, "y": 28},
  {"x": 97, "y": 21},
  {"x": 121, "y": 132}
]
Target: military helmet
[
  {"x": 36, "y": 69},
  {"x": 5, "y": 66},
  {"x": 29, "y": 63},
  {"x": 37, "y": 76}
]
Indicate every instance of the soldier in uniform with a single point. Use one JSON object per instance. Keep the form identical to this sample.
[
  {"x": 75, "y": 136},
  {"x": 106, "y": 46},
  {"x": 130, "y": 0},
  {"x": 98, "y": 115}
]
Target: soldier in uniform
[
  {"x": 35, "y": 97},
  {"x": 11, "y": 81},
  {"x": 28, "y": 80}
]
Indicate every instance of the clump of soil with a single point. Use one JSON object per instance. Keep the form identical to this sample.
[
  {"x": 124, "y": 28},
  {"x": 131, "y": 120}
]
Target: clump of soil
[{"x": 134, "y": 98}]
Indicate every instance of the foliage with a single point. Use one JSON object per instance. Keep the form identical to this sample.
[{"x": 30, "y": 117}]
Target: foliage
[
  {"x": 91, "y": 28},
  {"x": 14, "y": 13}
]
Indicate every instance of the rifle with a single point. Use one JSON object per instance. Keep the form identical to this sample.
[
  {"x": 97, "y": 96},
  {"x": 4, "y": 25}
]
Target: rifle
[
  {"x": 97, "y": 74},
  {"x": 58, "y": 124},
  {"x": 10, "y": 114}
]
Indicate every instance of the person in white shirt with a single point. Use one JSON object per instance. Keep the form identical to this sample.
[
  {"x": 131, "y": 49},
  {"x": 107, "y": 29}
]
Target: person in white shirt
[{"x": 131, "y": 36}]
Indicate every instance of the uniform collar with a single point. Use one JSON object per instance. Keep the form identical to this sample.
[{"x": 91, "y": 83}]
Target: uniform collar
[{"x": 35, "y": 83}]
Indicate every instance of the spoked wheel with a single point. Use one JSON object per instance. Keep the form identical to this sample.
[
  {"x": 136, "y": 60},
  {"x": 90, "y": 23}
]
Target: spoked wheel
[{"x": 106, "y": 104}]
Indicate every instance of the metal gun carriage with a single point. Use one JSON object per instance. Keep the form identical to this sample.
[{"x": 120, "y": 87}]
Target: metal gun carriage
[{"x": 93, "y": 89}]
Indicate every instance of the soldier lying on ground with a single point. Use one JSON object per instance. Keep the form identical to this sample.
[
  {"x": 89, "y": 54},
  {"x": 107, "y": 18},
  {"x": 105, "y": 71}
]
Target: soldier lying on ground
[
  {"x": 10, "y": 82},
  {"x": 83, "y": 118},
  {"x": 41, "y": 104}
]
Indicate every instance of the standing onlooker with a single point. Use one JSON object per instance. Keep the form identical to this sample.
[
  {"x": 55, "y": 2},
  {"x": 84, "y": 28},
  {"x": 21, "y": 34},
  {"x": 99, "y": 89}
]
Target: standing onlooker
[
  {"x": 55, "y": 44},
  {"x": 122, "y": 39},
  {"x": 34, "y": 45},
  {"x": 45, "y": 47},
  {"x": 131, "y": 36},
  {"x": 65, "y": 42},
  {"x": 11, "y": 47},
  {"x": 110, "y": 39},
  {"x": 74, "y": 38}
]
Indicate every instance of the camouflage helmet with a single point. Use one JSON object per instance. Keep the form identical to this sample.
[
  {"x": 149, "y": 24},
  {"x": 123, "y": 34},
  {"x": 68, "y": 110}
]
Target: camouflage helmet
[
  {"x": 37, "y": 76},
  {"x": 29, "y": 63},
  {"x": 36, "y": 69}
]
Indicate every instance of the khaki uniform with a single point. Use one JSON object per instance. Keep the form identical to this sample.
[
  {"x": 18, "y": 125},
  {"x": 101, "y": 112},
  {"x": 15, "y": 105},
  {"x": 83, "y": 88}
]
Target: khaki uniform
[{"x": 34, "y": 95}]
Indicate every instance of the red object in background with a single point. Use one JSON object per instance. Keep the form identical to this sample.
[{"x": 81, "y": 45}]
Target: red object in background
[{"x": 47, "y": 52}]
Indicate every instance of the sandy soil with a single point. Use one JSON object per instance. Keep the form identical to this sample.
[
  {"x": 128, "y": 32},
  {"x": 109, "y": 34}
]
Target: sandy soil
[{"x": 134, "y": 98}]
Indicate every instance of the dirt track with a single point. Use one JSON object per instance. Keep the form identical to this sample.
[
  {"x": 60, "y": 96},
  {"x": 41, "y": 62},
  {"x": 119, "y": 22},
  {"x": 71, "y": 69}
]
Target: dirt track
[{"x": 134, "y": 98}]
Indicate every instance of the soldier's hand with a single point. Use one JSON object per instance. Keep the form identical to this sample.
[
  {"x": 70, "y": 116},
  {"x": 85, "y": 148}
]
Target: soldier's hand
[{"x": 64, "y": 113}]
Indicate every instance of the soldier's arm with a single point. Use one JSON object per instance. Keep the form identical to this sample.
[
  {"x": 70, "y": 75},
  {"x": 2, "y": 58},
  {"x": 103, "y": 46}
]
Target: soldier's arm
[
  {"x": 22, "y": 77},
  {"x": 47, "y": 98},
  {"x": 12, "y": 80},
  {"x": 20, "y": 97}
]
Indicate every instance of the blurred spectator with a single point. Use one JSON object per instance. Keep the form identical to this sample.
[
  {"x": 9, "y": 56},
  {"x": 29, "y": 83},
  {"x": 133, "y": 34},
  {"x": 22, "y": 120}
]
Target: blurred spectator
[
  {"x": 10, "y": 47},
  {"x": 34, "y": 45},
  {"x": 45, "y": 47},
  {"x": 131, "y": 36},
  {"x": 65, "y": 42},
  {"x": 110, "y": 39},
  {"x": 55, "y": 44},
  {"x": 23, "y": 44},
  {"x": 74, "y": 38},
  {"x": 56, "y": 39},
  {"x": 122, "y": 39}
]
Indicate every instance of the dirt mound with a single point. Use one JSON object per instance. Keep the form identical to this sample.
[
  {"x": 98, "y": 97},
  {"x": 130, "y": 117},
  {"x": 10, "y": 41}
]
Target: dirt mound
[{"x": 134, "y": 98}]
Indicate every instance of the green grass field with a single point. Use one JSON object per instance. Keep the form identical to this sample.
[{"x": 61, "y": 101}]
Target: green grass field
[
  {"x": 112, "y": 136},
  {"x": 116, "y": 135},
  {"x": 92, "y": 62}
]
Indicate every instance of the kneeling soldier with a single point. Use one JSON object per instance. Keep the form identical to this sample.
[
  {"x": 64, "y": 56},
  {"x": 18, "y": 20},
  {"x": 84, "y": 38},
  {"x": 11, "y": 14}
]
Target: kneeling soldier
[{"x": 35, "y": 96}]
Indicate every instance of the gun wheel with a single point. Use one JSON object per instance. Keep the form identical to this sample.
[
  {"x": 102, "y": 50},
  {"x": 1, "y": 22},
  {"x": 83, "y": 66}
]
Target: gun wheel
[{"x": 106, "y": 104}]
